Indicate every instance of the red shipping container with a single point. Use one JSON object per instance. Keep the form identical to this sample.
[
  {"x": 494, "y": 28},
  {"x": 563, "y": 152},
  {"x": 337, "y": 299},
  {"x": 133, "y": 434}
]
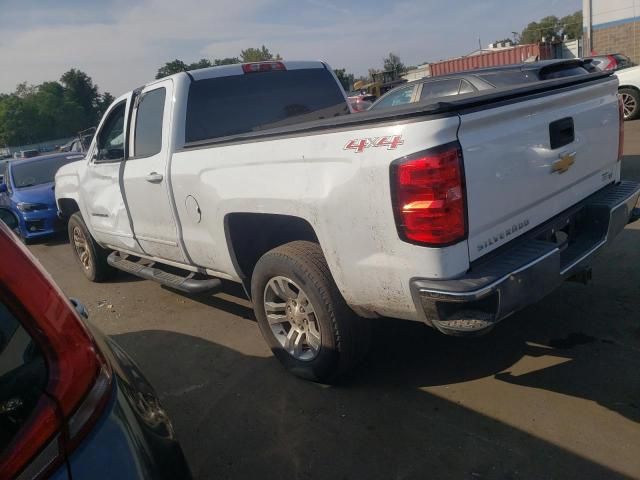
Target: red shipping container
[{"x": 497, "y": 58}]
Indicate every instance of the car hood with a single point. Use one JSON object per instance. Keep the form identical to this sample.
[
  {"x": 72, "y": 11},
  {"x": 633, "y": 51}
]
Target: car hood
[{"x": 37, "y": 194}]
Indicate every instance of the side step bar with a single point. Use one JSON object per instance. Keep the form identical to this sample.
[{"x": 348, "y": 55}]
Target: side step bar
[{"x": 186, "y": 284}]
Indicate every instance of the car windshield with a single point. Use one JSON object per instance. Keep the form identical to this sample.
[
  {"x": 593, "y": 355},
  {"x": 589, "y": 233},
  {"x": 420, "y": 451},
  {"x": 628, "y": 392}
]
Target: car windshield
[{"x": 38, "y": 172}]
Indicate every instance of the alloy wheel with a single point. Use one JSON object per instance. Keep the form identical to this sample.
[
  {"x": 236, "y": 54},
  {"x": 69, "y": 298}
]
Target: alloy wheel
[
  {"x": 81, "y": 247},
  {"x": 629, "y": 105},
  {"x": 292, "y": 318}
]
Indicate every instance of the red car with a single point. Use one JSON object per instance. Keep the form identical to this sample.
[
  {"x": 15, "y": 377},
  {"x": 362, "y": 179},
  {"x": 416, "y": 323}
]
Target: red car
[
  {"x": 72, "y": 403},
  {"x": 614, "y": 61},
  {"x": 360, "y": 102}
]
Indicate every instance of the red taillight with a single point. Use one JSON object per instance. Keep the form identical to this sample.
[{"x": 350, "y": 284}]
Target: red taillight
[
  {"x": 76, "y": 369},
  {"x": 621, "y": 130},
  {"x": 262, "y": 67},
  {"x": 429, "y": 196},
  {"x": 613, "y": 63}
]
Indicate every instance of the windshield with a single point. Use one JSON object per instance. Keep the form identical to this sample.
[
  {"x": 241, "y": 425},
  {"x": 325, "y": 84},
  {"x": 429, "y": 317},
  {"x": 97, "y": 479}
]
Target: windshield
[{"x": 38, "y": 172}]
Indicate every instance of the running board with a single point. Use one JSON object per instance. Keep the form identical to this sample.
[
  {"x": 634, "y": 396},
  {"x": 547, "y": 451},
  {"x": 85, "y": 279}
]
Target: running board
[{"x": 186, "y": 284}]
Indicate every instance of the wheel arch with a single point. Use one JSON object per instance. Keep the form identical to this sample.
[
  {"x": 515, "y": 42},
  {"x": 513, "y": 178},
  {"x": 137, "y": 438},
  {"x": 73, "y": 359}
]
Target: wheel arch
[
  {"x": 251, "y": 235},
  {"x": 632, "y": 87},
  {"x": 68, "y": 206}
]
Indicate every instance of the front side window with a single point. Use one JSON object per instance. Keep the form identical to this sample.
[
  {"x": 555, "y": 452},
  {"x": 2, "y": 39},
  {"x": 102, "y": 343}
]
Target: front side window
[
  {"x": 148, "y": 134},
  {"x": 402, "y": 96},
  {"x": 111, "y": 137}
]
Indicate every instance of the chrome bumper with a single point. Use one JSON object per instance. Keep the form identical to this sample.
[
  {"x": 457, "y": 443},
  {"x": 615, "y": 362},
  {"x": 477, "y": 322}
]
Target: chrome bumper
[{"x": 527, "y": 269}]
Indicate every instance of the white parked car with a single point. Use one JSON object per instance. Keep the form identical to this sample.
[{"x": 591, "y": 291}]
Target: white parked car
[
  {"x": 630, "y": 91},
  {"x": 455, "y": 214}
]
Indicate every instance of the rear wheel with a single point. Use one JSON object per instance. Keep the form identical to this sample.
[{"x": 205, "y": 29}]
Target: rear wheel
[
  {"x": 303, "y": 316},
  {"x": 91, "y": 256},
  {"x": 630, "y": 102}
]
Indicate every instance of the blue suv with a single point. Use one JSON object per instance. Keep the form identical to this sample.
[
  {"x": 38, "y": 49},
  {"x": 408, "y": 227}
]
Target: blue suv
[{"x": 27, "y": 192}]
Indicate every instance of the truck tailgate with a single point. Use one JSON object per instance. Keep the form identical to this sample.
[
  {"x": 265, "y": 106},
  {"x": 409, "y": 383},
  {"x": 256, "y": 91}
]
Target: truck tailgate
[{"x": 527, "y": 161}]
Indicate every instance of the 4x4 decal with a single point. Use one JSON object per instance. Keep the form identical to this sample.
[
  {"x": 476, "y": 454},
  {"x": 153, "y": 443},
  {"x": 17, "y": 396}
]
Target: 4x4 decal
[{"x": 359, "y": 145}]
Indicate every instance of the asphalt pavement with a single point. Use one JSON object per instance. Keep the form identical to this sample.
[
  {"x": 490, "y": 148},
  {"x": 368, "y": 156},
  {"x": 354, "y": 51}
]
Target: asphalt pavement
[{"x": 553, "y": 392}]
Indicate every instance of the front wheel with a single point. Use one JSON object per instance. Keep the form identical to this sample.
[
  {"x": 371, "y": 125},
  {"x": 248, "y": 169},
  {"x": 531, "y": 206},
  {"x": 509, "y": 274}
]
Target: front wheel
[
  {"x": 91, "y": 256},
  {"x": 303, "y": 316},
  {"x": 630, "y": 103}
]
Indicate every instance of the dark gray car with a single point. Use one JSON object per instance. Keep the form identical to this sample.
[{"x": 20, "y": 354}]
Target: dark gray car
[{"x": 428, "y": 89}]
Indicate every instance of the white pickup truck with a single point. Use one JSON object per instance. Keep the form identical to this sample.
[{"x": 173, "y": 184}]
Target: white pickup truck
[{"x": 456, "y": 214}]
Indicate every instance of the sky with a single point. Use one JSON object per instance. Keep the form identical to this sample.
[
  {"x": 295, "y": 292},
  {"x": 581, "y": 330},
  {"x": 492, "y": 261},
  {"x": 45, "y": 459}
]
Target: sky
[{"x": 122, "y": 43}]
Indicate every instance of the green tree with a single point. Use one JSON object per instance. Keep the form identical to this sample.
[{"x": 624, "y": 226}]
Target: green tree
[
  {"x": 551, "y": 26},
  {"x": 202, "y": 63},
  {"x": 258, "y": 55},
  {"x": 169, "y": 68},
  {"x": 79, "y": 88},
  {"x": 226, "y": 61},
  {"x": 393, "y": 64},
  {"x": 504, "y": 40},
  {"x": 546, "y": 28},
  {"x": 346, "y": 79},
  {"x": 51, "y": 110},
  {"x": 106, "y": 99},
  {"x": 571, "y": 25}
]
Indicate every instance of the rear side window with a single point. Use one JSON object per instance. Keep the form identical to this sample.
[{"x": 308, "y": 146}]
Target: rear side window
[
  {"x": 466, "y": 87},
  {"x": 442, "y": 88},
  {"x": 224, "y": 106},
  {"x": 506, "y": 79},
  {"x": 23, "y": 376},
  {"x": 148, "y": 135},
  {"x": 550, "y": 74}
]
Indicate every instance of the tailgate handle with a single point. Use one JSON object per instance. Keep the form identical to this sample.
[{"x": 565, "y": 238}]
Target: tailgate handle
[{"x": 561, "y": 132}]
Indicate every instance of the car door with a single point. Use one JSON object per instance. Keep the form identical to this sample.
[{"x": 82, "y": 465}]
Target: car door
[
  {"x": 146, "y": 182},
  {"x": 104, "y": 206}
]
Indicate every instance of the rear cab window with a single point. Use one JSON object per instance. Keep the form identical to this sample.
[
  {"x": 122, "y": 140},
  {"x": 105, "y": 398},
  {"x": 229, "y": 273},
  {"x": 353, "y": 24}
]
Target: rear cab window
[
  {"x": 23, "y": 376},
  {"x": 258, "y": 101}
]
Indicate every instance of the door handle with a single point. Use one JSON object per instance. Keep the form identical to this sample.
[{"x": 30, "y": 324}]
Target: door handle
[{"x": 154, "y": 177}]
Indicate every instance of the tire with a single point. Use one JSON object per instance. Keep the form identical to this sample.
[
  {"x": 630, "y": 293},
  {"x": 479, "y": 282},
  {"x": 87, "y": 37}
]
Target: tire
[
  {"x": 94, "y": 264},
  {"x": 344, "y": 337},
  {"x": 631, "y": 102}
]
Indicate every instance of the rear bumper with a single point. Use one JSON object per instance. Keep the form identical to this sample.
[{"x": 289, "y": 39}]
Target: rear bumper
[{"x": 529, "y": 268}]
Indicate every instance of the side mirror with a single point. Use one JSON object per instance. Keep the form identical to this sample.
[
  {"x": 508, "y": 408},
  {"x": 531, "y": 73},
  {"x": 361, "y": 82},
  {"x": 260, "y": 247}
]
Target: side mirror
[
  {"x": 9, "y": 218},
  {"x": 3, "y": 187}
]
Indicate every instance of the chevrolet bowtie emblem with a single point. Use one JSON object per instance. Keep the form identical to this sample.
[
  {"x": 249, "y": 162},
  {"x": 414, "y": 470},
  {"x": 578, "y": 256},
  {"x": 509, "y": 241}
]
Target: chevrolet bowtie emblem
[{"x": 564, "y": 164}]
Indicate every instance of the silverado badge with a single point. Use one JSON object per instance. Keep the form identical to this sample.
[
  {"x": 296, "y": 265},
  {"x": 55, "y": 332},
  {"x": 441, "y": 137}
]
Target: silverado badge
[{"x": 564, "y": 164}]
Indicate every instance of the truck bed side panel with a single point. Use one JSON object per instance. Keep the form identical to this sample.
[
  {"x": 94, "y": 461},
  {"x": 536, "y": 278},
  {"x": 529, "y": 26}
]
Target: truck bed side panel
[{"x": 343, "y": 194}]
